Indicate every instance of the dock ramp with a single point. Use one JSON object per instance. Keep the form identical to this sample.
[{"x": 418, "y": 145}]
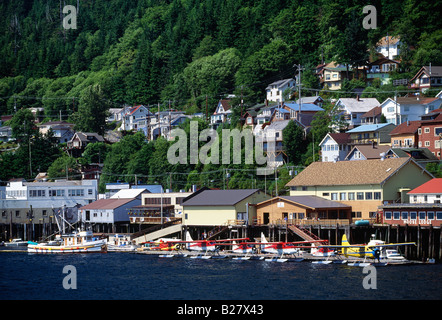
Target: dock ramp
[
  {"x": 304, "y": 233},
  {"x": 158, "y": 233}
]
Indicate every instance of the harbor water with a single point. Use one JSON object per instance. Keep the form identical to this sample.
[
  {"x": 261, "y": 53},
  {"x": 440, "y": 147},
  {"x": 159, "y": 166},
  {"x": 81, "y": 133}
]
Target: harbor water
[{"x": 129, "y": 276}]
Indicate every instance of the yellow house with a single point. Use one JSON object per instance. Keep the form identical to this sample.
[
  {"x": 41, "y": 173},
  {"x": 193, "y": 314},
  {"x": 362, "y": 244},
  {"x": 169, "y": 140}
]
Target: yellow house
[
  {"x": 222, "y": 207},
  {"x": 363, "y": 185}
]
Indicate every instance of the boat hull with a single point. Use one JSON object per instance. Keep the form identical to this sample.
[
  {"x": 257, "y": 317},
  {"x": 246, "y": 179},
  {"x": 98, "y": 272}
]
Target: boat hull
[{"x": 87, "y": 248}]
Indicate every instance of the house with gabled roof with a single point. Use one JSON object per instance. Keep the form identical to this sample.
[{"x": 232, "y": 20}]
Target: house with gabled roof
[
  {"x": 363, "y": 185},
  {"x": 403, "y": 109},
  {"x": 367, "y": 152},
  {"x": 405, "y": 135},
  {"x": 428, "y": 77},
  {"x": 80, "y": 140},
  {"x": 372, "y": 117},
  {"x": 381, "y": 69},
  {"x": 275, "y": 90},
  {"x": 352, "y": 109},
  {"x": 388, "y": 46},
  {"x": 222, "y": 113},
  {"x": 371, "y": 134},
  {"x": 313, "y": 99},
  {"x": 222, "y": 207},
  {"x": 335, "y": 146},
  {"x": 135, "y": 118},
  {"x": 294, "y": 209},
  {"x": 62, "y": 130}
]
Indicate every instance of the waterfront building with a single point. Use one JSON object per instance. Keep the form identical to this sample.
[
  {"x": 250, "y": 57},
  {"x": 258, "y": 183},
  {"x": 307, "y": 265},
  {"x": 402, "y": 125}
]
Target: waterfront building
[
  {"x": 363, "y": 185},
  {"x": 26, "y": 204},
  {"x": 157, "y": 208},
  {"x": 424, "y": 208},
  {"x": 222, "y": 207},
  {"x": 109, "y": 215},
  {"x": 299, "y": 209}
]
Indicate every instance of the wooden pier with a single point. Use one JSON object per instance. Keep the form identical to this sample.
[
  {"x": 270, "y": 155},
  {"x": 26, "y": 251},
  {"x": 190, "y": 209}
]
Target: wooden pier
[{"x": 428, "y": 239}]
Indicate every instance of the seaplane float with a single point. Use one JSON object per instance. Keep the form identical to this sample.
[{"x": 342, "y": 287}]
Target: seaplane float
[{"x": 375, "y": 250}]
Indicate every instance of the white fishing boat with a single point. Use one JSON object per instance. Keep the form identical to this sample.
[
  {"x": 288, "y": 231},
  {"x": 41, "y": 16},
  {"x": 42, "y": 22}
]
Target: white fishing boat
[
  {"x": 120, "y": 242},
  {"x": 16, "y": 243},
  {"x": 76, "y": 242}
]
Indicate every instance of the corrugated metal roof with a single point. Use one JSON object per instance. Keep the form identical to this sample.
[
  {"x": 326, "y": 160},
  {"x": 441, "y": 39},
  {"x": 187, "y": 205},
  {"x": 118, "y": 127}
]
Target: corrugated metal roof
[
  {"x": 219, "y": 197},
  {"x": 106, "y": 204},
  {"x": 315, "y": 202}
]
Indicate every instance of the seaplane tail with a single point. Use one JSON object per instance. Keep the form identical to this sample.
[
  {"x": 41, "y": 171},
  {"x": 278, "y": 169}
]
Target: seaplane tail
[
  {"x": 188, "y": 238},
  {"x": 344, "y": 240}
]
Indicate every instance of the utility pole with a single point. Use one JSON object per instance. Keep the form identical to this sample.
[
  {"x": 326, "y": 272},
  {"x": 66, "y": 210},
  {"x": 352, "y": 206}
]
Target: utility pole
[{"x": 299, "y": 93}]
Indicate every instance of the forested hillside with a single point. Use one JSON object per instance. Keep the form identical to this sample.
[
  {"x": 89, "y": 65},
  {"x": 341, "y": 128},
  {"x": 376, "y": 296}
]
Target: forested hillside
[
  {"x": 183, "y": 54},
  {"x": 182, "y": 51}
]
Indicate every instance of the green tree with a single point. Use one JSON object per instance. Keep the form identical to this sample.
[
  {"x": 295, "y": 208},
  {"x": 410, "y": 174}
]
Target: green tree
[
  {"x": 64, "y": 167},
  {"x": 294, "y": 142},
  {"x": 92, "y": 110}
]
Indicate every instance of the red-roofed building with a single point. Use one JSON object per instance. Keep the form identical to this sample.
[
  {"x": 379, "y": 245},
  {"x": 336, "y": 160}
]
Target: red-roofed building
[
  {"x": 425, "y": 206},
  {"x": 429, "y": 192},
  {"x": 134, "y": 118}
]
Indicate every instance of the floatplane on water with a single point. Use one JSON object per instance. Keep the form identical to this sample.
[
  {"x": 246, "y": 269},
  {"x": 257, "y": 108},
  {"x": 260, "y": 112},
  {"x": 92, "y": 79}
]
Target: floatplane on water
[
  {"x": 209, "y": 249},
  {"x": 375, "y": 249},
  {"x": 282, "y": 249}
]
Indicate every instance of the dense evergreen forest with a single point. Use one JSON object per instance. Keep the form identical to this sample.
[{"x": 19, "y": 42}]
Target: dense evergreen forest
[{"x": 182, "y": 53}]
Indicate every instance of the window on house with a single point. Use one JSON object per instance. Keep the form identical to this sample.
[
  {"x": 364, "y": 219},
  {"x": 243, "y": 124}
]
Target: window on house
[
  {"x": 360, "y": 196},
  {"x": 427, "y": 130},
  {"x": 377, "y": 195},
  {"x": 369, "y": 196},
  {"x": 439, "y": 215},
  {"x": 413, "y": 215},
  {"x": 334, "y": 196},
  {"x": 342, "y": 196},
  {"x": 404, "y": 215},
  {"x": 430, "y": 215},
  {"x": 427, "y": 143},
  {"x": 387, "y": 215},
  {"x": 396, "y": 215},
  {"x": 351, "y": 196},
  {"x": 356, "y": 214}
]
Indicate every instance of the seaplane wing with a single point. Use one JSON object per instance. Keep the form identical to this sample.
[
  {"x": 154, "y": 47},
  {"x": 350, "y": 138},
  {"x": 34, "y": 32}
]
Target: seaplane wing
[
  {"x": 200, "y": 245},
  {"x": 370, "y": 250}
]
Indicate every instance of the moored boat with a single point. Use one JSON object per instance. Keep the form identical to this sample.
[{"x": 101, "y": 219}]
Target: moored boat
[
  {"x": 16, "y": 243},
  {"x": 120, "y": 242},
  {"x": 76, "y": 242}
]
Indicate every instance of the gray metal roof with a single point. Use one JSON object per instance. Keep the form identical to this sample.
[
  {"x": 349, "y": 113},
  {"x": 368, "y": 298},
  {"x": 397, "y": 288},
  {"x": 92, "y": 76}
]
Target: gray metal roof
[
  {"x": 315, "y": 202},
  {"x": 219, "y": 197}
]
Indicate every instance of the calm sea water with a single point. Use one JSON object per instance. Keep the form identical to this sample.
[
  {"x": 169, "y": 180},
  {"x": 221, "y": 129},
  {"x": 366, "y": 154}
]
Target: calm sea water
[{"x": 128, "y": 276}]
